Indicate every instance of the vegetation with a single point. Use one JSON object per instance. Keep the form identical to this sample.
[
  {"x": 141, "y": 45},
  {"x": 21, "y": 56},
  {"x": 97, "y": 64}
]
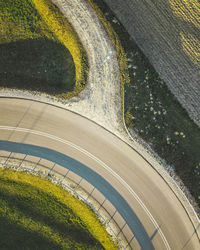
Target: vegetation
[
  {"x": 188, "y": 11},
  {"x": 35, "y": 49},
  {"x": 153, "y": 113},
  {"x": 48, "y": 69},
  {"x": 65, "y": 34},
  {"x": 191, "y": 45},
  {"x": 37, "y": 214},
  {"x": 20, "y": 20}
]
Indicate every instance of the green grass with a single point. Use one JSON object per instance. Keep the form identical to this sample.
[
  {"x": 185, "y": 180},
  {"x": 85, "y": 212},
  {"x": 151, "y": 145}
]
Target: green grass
[
  {"x": 20, "y": 20},
  {"x": 37, "y": 214},
  {"x": 31, "y": 57},
  {"x": 153, "y": 113},
  {"x": 48, "y": 69}
]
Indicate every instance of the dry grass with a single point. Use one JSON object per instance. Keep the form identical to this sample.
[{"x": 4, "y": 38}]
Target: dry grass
[
  {"x": 191, "y": 46},
  {"x": 189, "y": 10}
]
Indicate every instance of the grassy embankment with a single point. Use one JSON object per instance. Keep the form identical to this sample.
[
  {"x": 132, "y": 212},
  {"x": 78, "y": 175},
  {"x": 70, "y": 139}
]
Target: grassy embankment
[
  {"x": 37, "y": 214},
  {"x": 153, "y": 113},
  {"x": 35, "y": 46}
]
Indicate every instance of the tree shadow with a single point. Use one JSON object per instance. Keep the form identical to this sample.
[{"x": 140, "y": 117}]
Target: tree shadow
[
  {"x": 14, "y": 236},
  {"x": 47, "y": 210},
  {"x": 37, "y": 65}
]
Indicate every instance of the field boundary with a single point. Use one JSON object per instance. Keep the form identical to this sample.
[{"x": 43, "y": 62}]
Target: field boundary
[{"x": 150, "y": 14}]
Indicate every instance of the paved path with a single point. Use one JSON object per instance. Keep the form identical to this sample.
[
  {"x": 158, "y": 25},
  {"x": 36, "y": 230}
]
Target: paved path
[{"x": 150, "y": 198}]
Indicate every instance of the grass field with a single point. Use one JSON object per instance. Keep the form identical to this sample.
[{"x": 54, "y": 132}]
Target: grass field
[
  {"x": 153, "y": 113},
  {"x": 35, "y": 52},
  {"x": 37, "y": 214}
]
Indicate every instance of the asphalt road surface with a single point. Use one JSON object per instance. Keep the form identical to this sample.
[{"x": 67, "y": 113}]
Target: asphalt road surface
[{"x": 160, "y": 213}]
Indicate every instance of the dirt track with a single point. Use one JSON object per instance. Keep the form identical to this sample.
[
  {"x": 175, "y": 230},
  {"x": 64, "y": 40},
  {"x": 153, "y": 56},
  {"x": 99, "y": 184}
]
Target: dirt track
[{"x": 156, "y": 30}]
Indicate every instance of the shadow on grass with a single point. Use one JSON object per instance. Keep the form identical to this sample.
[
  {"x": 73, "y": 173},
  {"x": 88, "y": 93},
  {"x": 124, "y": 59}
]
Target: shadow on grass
[
  {"x": 15, "y": 237},
  {"x": 45, "y": 209},
  {"x": 37, "y": 65}
]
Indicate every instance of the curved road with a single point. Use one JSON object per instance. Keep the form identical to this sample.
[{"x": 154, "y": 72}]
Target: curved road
[{"x": 129, "y": 174}]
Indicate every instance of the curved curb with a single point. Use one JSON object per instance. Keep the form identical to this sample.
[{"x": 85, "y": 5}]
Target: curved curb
[
  {"x": 92, "y": 177},
  {"x": 70, "y": 190},
  {"x": 163, "y": 173}
]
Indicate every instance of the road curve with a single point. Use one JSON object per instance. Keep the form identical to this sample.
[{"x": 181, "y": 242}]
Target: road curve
[
  {"x": 100, "y": 101},
  {"x": 136, "y": 173},
  {"x": 92, "y": 177}
]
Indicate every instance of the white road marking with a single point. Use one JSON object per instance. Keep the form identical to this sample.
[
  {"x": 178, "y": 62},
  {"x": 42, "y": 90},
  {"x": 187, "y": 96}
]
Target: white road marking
[{"x": 103, "y": 165}]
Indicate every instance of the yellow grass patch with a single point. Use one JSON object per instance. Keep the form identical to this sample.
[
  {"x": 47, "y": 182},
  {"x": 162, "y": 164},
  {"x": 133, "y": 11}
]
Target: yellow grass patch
[
  {"x": 79, "y": 208},
  {"x": 191, "y": 46},
  {"x": 65, "y": 34},
  {"x": 189, "y": 10}
]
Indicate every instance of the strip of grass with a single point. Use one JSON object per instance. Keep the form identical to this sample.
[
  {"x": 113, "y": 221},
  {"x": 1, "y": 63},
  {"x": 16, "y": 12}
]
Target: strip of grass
[
  {"x": 37, "y": 214},
  {"x": 30, "y": 28},
  {"x": 153, "y": 113}
]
